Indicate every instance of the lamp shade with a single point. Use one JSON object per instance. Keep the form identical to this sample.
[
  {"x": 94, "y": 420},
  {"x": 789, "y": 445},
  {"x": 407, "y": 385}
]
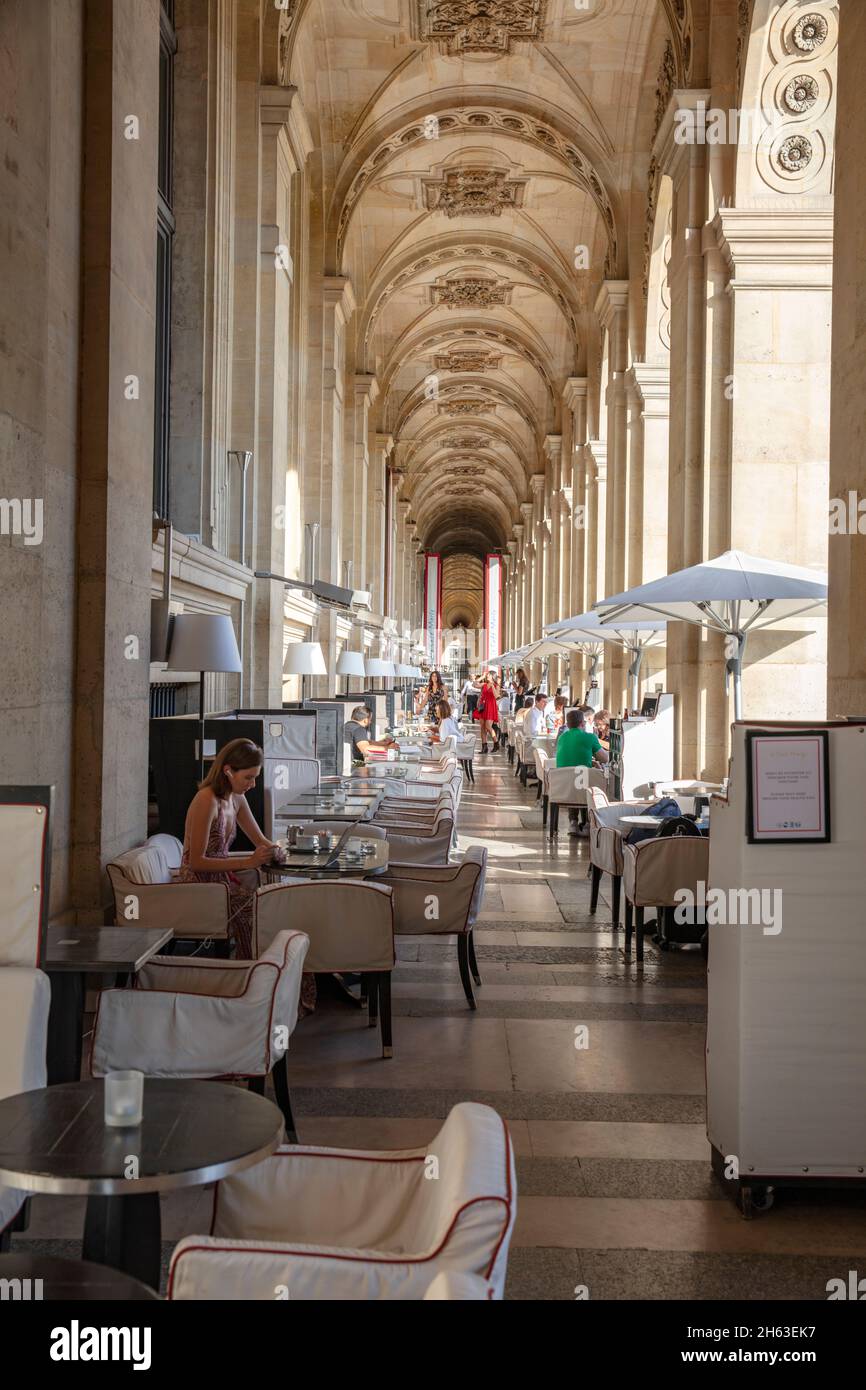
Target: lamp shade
[
  {"x": 304, "y": 659},
  {"x": 404, "y": 671},
  {"x": 203, "y": 642},
  {"x": 375, "y": 667},
  {"x": 351, "y": 664},
  {"x": 415, "y": 672}
]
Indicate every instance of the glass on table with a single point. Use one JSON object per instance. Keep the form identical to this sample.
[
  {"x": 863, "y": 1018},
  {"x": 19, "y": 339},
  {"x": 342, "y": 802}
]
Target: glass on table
[{"x": 124, "y": 1098}]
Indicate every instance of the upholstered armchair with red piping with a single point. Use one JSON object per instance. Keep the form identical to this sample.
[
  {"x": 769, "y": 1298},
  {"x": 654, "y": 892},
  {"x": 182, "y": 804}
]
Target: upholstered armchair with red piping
[
  {"x": 192, "y": 1017},
  {"x": 317, "y": 1224}
]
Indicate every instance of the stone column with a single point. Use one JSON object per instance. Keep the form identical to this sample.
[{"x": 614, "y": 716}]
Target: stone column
[
  {"x": 511, "y": 608},
  {"x": 781, "y": 263},
  {"x": 377, "y": 486},
  {"x": 519, "y": 585},
  {"x": 574, "y": 400},
  {"x": 846, "y": 673},
  {"x": 116, "y": 409},
  {"x": 356, "y": 482},
  {"x": 611, "y": 309},
  {"x": 338, "y": 308}
]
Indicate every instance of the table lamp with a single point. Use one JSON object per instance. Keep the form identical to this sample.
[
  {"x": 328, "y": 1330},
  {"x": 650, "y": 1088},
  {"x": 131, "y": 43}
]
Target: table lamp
[
  {"x": 375, "y": 668},
  {"x": 351, "y": 664},
  {"x": 203, "y": 642},
  {"x": 304, "y": 659}
]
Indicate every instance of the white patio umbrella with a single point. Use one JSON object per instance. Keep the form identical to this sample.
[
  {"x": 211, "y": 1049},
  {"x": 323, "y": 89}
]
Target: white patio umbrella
[
  {"x": 734, "y": 594},
  {"x": 587, "y": 631}
]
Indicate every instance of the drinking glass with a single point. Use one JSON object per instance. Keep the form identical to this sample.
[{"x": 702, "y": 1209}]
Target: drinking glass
[{"x": 124, "y": 1097}]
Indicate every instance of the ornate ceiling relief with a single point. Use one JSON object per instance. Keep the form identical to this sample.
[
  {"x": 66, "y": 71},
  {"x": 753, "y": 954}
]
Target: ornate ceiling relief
[
  {"x": 679, "y": 14},
  {"x": 665, "y": 83},
  {"x": 471, "y": 292},
  {"x": 480, "y": 26},
  {"x": 467, "y": 407},
  {"x": 534, "y": 132},
  {"x": 469, "y": 442},
  {"x": 473, "y": 192},
  {"x": 467, "y": 361},
  {"x": 744, "y": 26}
]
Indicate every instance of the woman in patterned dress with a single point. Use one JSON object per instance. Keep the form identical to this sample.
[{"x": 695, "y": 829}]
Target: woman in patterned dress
[
  {"x": 217, "y": 811},
  {"x": 428, "y": 698}
]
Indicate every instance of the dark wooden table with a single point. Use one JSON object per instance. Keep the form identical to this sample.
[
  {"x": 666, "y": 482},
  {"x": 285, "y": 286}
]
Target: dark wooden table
[
  {"x": 56, "y": 1280},
  {"x": 71, "y": 954},
  {"x": 55, "y": 1141}
]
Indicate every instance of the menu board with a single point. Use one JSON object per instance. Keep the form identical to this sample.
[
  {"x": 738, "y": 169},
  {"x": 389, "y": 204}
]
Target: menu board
[{"x": 788, "y": 786}]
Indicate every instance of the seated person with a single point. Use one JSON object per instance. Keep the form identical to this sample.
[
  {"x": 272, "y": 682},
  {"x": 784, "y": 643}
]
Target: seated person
[
  {"x": 447, "y": 723},
  {"x": 357, "y": 733},
  {"x": 575, "y": 747},
  {"x": 602, "y": 727},
  {"x": 536, "y": 720},
  {"x": 556, "y": 716}
]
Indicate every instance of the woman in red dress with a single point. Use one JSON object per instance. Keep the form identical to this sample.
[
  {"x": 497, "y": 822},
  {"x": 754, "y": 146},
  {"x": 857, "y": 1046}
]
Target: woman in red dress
[{"x": 487, "y": 711}]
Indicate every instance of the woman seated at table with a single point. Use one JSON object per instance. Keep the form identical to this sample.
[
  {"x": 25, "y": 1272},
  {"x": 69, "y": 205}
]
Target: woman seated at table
[
  {"x": 602, "y": 727},
  {"x": 447, "y": 723},
  {"x": 217, "y": 811}
]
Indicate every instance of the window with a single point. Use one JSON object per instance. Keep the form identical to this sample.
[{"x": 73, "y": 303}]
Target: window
[{"x": 164, "y": 238}]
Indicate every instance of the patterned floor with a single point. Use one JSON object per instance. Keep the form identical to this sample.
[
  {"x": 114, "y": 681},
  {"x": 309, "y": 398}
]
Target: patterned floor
[{"x": 616, "y": 1197}]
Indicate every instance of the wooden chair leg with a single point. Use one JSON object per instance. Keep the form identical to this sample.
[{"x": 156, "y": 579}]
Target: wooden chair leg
[
  {"x": 593, "y": 892},
  {"x": 638, "y": 927},
  {"x": 628, "y": 926},
  {"x": 284, "y": 1101},
  {"x": 617, "y": 887},
  {"x": 463, "y": 963},
  {"x": 554, "y": 819},
  {"x": 473, "y": 963},
  {"x": 545, "y": 805},
  {"x": 372, "y": 1000},
  {"x": 384, "y": 992}
]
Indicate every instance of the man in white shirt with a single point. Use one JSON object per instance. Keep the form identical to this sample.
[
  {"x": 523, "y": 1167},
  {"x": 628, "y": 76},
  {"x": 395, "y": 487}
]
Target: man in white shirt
[{"x": 536, "y": 720}]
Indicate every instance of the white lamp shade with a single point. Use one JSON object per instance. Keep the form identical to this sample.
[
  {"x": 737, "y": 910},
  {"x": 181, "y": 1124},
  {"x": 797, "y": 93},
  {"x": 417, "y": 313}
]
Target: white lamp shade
[
  {"x": 351, "y": 664},
  {"x": 304, "y": 659},
  {"x": 203, "y": 642},
  {"x": 404, "y": 671},
  {"x": 415, "y": 672},
  {"x": 375, "y": 667}
]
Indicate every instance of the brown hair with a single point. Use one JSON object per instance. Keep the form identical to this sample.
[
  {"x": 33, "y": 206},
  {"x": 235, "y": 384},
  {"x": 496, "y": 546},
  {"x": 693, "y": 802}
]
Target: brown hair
[
  {"x": 440, "y": 686},
  {"x": 239, "y": 755},
  {"x": 444, "y": 709}
]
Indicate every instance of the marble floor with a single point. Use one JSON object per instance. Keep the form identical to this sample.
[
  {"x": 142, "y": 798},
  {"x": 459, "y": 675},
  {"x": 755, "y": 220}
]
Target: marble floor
[{"x": 616, "y": 1197}]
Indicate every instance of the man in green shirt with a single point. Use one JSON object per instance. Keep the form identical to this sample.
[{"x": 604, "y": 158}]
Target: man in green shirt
[{"x": 575, "y": 747}]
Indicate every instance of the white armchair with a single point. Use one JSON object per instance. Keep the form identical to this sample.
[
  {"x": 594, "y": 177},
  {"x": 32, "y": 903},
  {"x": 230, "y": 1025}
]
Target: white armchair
[
  {"x": 144, "y": 893},
  {"x": 204, "y": 1018},
  {"x": 455, "y": 893},
  {"x": 331, "y": 1225},
  {"x": 25, "y": 998},
  {"x": 569, "y": 786}
]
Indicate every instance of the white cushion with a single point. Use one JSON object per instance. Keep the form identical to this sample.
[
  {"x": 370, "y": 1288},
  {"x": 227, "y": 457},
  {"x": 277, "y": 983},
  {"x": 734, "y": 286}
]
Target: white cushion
[{"x": 153, "y": 862}]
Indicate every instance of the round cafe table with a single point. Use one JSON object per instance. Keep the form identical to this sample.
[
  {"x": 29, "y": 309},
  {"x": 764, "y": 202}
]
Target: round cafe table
[
  {"x": 56, "y": 1141},
  {"x": 56, "y": 1280}
]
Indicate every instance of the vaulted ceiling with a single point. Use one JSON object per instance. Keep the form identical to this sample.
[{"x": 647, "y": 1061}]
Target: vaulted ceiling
[{"x": 467, "y": 149}]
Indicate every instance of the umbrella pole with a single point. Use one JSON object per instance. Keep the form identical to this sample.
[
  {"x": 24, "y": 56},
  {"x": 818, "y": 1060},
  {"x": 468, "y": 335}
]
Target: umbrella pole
[
  {"x": 634, "y": 675},
  {"x": 735, "y": 669}
]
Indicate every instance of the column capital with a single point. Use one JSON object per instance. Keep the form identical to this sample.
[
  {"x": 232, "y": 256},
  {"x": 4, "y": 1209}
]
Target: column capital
[
  {"x": 511, "y": 547},
  {"x": 282, "y": 107},
  {"x": 776, "y": 248},
  {"x": 338, "y": 294},
  {"x": 536, "y": 482},
  {"x": 527, "y": 511},
  {"x": 574, "y": 390},
  {"x": 518, "y": 528},
  {"x": 403, "y": 510},
  {"x": 612, "y": 299},
  {"x": 595, "y": 455},
  {"x": 565, "y": 501},
  {"x": 553, "y": 446},
  {"x": 366, "y": 387},
  {"x": 669, "y": 151},
  {"x": 649, "y": 386},
  {"x": 385, "y": 442}
]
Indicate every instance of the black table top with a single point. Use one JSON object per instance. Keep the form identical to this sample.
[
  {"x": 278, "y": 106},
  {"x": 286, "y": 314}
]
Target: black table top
[
  {"x": 304, "y": 865},
  {"x": 74, "y": 1280},
  {"x": 193, "y": 1132},
  {"x": 103, "y": 950}
]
